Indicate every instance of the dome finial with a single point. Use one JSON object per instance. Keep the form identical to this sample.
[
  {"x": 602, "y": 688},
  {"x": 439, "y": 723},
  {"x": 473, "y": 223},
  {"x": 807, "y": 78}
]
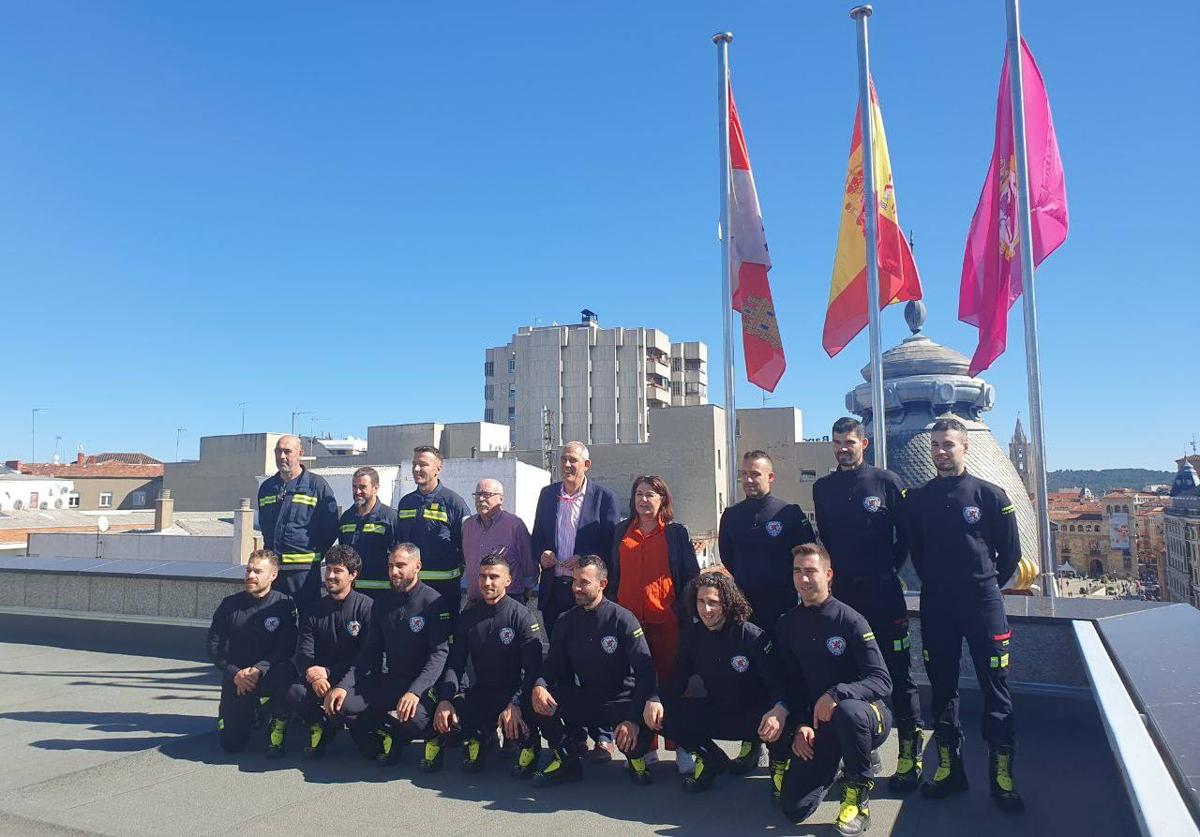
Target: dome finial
[{"x": 914, "y": 315}]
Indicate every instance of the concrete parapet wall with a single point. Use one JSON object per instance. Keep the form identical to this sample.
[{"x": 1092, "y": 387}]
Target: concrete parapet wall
[
  {"x": 140, "y": 546},
  {"x": 176, "y": 598}
]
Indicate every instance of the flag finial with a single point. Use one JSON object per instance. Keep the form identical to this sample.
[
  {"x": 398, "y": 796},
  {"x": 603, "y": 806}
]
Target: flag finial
[
  {"x": 861, "y": 11},
  {"x": 723, "y": 37}
]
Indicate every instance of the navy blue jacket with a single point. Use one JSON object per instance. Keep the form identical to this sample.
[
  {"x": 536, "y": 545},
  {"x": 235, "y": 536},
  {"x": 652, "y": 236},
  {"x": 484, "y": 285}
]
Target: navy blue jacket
[
  {"x": 372, "y": 536},
  {"x": 299, "y": 520},
  {"x": 594, "y": 535},
  {"x": 433, "y": 522}
]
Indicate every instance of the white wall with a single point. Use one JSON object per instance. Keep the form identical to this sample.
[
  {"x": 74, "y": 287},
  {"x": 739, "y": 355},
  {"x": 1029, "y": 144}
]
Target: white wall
[{"x": 49, "y": 491}]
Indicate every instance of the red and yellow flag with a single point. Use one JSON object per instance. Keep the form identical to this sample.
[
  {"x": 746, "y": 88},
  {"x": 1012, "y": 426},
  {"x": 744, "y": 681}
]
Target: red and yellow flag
[{"x": 898, "y": 279}]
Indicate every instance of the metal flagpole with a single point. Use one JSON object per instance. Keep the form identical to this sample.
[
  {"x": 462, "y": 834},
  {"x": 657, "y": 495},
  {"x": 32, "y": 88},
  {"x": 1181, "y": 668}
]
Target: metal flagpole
[
  {"x": 1033, "y": 364},
  {"x": 722, "y": 40},
  {"x": 871, "y": 231}
]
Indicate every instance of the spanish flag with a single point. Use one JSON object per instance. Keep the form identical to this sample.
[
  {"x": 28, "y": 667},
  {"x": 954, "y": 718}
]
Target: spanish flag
[{"x": 898, "y": 279}]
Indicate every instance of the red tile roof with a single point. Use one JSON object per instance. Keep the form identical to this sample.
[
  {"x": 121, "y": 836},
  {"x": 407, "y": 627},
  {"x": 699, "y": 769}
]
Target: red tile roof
[{"x": 110, "y": 468}]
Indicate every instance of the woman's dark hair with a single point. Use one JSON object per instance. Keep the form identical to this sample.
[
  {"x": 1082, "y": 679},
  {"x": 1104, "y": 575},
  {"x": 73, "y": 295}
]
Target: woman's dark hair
[
  {"x": 666, "y": 513},
  {"x": 737, "y": 609}
]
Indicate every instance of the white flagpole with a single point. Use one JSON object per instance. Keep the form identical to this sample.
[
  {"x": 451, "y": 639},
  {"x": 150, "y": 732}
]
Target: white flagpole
[
  {"x": 1033, "y": 363},
  {"x": 722, "y": 40},
  {"x": 871, "y": 231}
]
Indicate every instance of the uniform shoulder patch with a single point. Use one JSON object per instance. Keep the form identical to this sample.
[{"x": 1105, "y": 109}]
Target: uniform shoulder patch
[
  {"x": 868, "y": 636},
  {"x": 637, "y": 632},
  {"x": 1009, "y": 509}
]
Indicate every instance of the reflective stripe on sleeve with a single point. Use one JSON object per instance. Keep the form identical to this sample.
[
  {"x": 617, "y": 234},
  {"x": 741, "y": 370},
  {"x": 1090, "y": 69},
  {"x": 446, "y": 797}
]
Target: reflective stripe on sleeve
[
  {"x": 371, "y": 584},
  {"x": 441, "y": 575},
  {"x": 267, "y": 500}
]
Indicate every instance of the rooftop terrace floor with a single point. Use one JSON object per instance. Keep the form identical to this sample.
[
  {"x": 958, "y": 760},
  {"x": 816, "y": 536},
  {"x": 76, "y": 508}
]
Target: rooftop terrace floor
[{"x": 109, "y": 743}]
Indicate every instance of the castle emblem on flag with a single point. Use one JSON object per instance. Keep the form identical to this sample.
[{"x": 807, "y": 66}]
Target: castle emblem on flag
[{"x": 758, "y": 318}]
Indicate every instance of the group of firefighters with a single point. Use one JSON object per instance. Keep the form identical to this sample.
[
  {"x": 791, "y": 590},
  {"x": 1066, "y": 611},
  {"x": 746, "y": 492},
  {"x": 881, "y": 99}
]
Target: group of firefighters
[{"x": 794, "y": 644}]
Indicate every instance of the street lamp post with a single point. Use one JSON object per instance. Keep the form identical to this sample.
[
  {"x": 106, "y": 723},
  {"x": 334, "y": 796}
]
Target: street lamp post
[
  {"x": 33, "y": 434},
  {"x": 179, "y": 431}
]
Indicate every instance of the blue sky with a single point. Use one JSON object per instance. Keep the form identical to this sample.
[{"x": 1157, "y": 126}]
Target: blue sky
[{"x": 336, "y": 207}]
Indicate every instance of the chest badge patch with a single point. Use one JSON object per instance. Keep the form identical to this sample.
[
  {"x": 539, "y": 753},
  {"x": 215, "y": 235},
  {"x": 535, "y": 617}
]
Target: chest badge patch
[
  {"x": 416, "y": 623},
  {"x": 836, "y": 645},
  {"x": 774, "y": 527},
  {"x": 872, "y": 504},
  {"x": 353, "y": 627},
  {"x": 739, "y": 663},
  {"x": 507, "y": 635},
  {"x": 271, "y": 623},
  {"x": 609, "y": 644},
  {"x": 972, "y": 514}
]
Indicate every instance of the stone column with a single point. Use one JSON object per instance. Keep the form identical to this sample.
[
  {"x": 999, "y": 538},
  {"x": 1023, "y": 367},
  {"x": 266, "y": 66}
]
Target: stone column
[
  {"x": 243, "y": 532},
  {"x": 164, "y": 510}
]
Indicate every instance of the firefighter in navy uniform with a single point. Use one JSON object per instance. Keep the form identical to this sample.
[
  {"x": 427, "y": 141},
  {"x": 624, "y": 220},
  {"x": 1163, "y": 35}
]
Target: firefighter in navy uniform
[
  {"x": 370, "y": 527},
  {"x": 251, "y": 640},
  {"x": 837, "y": 687},
  {"x": 964, "y": 544},
  {"x": 297, "y": 514},
  {"x": 411, "y": 627},
  {"x": 431, "y": 517},
  {"x": 503, "y": 641},
  {"x": 331, "y": 636},
  {"x": 742, "y": 679},
  {"x": 598, "y": 673},
  {"x": 756, "y": 538},
  {"x": 859, "y": 511}
]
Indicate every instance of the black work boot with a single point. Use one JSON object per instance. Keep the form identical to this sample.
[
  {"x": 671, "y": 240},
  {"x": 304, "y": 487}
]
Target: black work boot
[
  {"x": 949, "y": 777},
  {"x": 855, "y": 815},
  {"x": 562, "y": 767},
  {"x": 1000, "y": 774},
  {"x": 431, "y": 760},
  {"x": 705, "y": 770},
  {"x": 527, "y": 757},
  {"x": 319, "y": 736},
  {"x": 909, "y": 763},
  {"x": 275, "y": 737},
  {"x": 779, "y": 768},
  {"x": 746, "y": 759}
]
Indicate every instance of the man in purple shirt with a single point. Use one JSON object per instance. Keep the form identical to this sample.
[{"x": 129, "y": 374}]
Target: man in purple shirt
[{"x": 490, "y": 530}]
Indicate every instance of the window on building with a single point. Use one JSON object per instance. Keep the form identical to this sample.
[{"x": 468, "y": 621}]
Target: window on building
[
  {"x": 489, "y": 369},
  {"x": 676, "y": 364},
  {"x": 106, "y": 499},
  {"x": 73, "y": 501},
  {"x": 807, "y": 475},
  {"x": 489, "y": 391},
  {"x": 512, "y": 413},
  {"x": 512, "y": 363},
  {"x": 676, "y": 388},
  {"x": 512, "y": 391},
  {"x": 489, "y": 415},
  {"x": 138, "y": 498}
]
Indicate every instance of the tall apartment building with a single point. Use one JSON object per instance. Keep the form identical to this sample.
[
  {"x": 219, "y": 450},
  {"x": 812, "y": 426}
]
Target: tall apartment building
[{"x": 597, "y": 385}]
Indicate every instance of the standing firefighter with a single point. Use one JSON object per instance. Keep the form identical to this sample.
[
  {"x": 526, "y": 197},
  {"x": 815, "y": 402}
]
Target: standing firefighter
[
  {"x": 860, "y": 520},
  {"x": 370, "y": 527},
  {"x": 431, "y": 517},
  {"x": 297, "y": 514},
  {"x": 964, "y": 544}
]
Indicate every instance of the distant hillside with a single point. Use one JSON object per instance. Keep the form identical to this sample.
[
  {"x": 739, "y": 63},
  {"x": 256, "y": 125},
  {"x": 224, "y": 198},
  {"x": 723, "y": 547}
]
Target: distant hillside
[{"x": 1107, "y": 479}]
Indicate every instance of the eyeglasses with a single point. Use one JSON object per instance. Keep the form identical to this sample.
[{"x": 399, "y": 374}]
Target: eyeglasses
[
  {"x": 486, "y": 495},
  {"x": 646, "y": 495}
]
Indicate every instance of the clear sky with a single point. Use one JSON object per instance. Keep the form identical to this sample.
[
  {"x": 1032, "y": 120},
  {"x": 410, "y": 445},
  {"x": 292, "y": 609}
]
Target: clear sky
[{"x": 336, "y": 207}]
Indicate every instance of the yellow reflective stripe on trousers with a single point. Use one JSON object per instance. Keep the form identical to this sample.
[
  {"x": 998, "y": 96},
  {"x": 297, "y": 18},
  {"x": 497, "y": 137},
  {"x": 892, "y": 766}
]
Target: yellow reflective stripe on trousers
[
  {"x": 441, "y": 575},
  {"x": 901, "y": 644},
  {"x": 878, "y": 716},
  {"x": 304, "y": 499},
  {"x": 298, "y": 557},
  {"x": 1000, "y": 662},
  {"x": 371, "y": 584},
  {"x": 374, "y": 529},
  {"x": 267, "y": 500}
]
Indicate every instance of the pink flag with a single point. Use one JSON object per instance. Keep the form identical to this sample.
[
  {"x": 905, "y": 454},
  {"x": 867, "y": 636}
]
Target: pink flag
[
  {"x": 761, "y": 343},
  {"x": 991, "y": 275}
]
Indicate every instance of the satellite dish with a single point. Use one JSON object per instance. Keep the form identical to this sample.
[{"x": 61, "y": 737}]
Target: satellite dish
[{"x": 102, "y": 523}]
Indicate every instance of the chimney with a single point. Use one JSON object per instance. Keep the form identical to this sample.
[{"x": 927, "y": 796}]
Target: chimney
[
  {"x": 243, "y": 532},
  {"x": 79, "y": 458},
  {"x": 164, "y": 510}
]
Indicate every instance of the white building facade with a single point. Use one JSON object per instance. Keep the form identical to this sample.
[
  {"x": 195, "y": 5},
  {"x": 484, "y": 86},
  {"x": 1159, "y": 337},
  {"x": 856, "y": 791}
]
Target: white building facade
[{"x": 552, "y": 384}]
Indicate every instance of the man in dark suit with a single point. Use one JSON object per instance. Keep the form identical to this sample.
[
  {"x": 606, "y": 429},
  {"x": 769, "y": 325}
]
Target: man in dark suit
[{"x": 574, "y": 517}]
